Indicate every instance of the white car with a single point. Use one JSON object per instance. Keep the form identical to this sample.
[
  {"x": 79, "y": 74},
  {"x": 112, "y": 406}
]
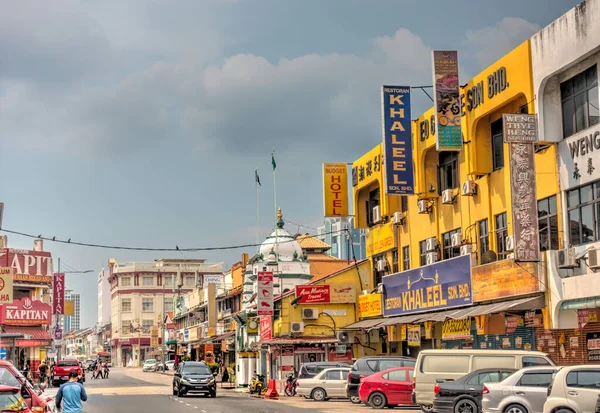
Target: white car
[
  {"x": 170, "y": 364},
  {"x": 149, "y": 365},
  {"x": 327, "y": 384},
  {"x": 574, "y": 389}
]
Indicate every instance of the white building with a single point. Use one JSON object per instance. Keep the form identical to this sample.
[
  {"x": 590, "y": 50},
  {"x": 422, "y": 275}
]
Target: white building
[
  {"x": 565, "y": 60},
  {"x": 141, "y": 293},
  {"x": 103, "y": 298}
]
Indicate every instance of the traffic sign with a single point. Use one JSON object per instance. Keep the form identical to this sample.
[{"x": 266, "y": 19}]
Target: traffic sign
[{"x": 2, "y": 353}]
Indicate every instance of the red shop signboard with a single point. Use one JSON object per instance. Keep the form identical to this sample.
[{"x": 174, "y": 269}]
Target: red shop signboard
[
  {"x": 26, "y": 312},
  {"x": 266, "y": 328},
  {"x": 28, "y": 266},
  {"x": 313, "y": 294}
]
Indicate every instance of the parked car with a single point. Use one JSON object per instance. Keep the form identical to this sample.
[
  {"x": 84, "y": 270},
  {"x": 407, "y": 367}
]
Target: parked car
[
  {"x": 574, "y": 389},
  {"x": 365, "y": 366},
  {"x": 194, "y": 377},
  {"x": 170, "y": 364},
  {"x": 434, "y": 365},
  {"x": 11, "y": 377},
  {"x": 61, "y": 371},
  {"x": 329, "y": 383},
  {"x": 11, "y": 400},
  {"x": 523, "y": 392},
  {"x": 388, "y": 388},
  {"x": 149, "y": 365},
  {"x": 310, "y": 370},
  {"x": 465, "y": 394}
]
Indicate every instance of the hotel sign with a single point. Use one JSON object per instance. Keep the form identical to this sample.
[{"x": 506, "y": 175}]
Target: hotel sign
[{"x": 335, "y": 189}]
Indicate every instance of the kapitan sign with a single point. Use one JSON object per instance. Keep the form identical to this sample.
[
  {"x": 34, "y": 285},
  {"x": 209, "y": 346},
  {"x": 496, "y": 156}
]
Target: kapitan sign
[
  {"x": 28, "y": 266},
  {"x": 26, "y": 312}
]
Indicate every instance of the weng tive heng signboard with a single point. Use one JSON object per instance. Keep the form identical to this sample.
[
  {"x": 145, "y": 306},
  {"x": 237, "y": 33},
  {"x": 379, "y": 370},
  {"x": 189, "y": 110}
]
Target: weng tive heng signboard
[
  {"x": 397, "y": 140},
  {"x": 447, "y": 100}
]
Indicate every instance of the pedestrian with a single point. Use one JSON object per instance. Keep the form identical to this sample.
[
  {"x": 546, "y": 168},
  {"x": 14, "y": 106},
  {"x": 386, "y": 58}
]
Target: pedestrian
[
  {"x": 71, "y": 394},
  {"x": 225, "y": 377},
  {"x": 105, "y": 370},
  {"x": 98, "y": 372},
  {"x": 43, "y": 369}
]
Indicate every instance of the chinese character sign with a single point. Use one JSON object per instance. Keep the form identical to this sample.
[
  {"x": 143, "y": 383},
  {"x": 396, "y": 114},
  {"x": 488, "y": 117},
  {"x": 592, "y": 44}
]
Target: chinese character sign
[
  {"x": 58, "y": 302},
  {"x": 264, "y": 297},
  {"x": 397, "y": 140},
  {"x": 447, "y": 100},
  {"x": 524, "y": 202},
  {"x": 519, "y": 128}
]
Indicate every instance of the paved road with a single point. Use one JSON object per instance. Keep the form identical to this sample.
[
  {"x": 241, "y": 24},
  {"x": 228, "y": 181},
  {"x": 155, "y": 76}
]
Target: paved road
[{"x": 130, "y": 390}]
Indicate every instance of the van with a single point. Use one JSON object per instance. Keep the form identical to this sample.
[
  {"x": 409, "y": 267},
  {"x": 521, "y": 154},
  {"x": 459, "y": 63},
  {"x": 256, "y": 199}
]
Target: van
[{"x": 446, "y": 365}]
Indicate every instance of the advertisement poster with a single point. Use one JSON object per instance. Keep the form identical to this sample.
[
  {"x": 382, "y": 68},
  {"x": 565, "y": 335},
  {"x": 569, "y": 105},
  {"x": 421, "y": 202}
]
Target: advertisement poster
[
  {"x": 287, "y": 358},
  {"x": 26, "y": 312},
  {"x": 380, "y": 239},
  {"x": 369, "y": 305},
  {"x": 264, "y": 297},
  {"x": 345, "y": 357},
  {"x": 504, "y": 279},
  {"x": 6, "y": 285},
  {"x": 335, "y": 189},
  {"x": 456, "y": 329},
  {"x": 326, "y": 294},
  {"x": 524, "y": 200},
  {"x": 447, "y": 100},
  {"x": 444, "y": 284},
  {"x": 266, "y": 328},
  {"x": 414, "y": 335},
  {"x": 397, "y": 140},
  {"x": 58, "y": 288}
]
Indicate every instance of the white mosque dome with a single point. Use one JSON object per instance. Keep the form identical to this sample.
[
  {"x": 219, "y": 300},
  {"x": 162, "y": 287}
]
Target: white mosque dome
[{"x": 282, "y": 242}]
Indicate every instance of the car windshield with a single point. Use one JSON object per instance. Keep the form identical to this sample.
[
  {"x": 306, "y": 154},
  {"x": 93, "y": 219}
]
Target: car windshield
[
  {"x": 198, "y": 369},
  {"x": 8, "y": 379},
  {"x": 11, "y": 402}
]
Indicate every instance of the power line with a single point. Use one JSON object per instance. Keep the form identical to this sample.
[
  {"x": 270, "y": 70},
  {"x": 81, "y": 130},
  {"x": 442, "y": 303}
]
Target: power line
[{"x": 118, "y": 247}]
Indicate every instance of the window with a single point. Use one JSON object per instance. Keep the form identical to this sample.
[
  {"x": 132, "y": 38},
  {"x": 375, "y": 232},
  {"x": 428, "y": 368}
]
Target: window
[
  {"x": 548, "y": 224},
  {"x": 126, "y": 282},
  {"x": 168, "y": 304},
  {"x": 405, "y": 258},
  {"x": 126, "y": 327},
  {"x": 444, "y": 364},
  {"x": 449, "y": 250},
  {"x": 403, "y": 204},
  {"x": 497, "y": 145},
  {"x": 589, "y": 379},
  {"x": 579, "y": 100},
  {"x": 535, "y": 380},
  {"x": 398, "y": 375},
  {"x": 148, "y": 305},
  {"x": 489, "y": 377},
  {"x": 126, "y": 305},
  {"x": 147, "y": 281},
  {"x": 484, "y": 236},
  {"x": 8, "y": 379},
  {"x": 395, "y": 261},
  {"x": 146, "y": 324},
  {"x": 372, "y": 203},
  {"x": 378, "y": 275},
  {"x": 505, "y": 374},
  {"x": 168, "y": 281},
  {"x": 411, "y": 375},
  {"x": 501, "y": 234},
  {"x": 372, "y": 365},
  {"x": 584, "y": 213},
  {"x": 535, "y": 361},
  {"x": 448, "y": 170},
  {"x": 389, "y": 364},
  {"x": 423, "y": 252},
  {"x": 189, "y": 280},
  {"x": 333, "y": 375}
]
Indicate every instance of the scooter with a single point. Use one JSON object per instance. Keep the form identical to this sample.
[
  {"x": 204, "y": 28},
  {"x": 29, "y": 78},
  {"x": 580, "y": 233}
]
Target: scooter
[
  {"x": 290, "y": 386},
  {"x": 257, "y": 384}
]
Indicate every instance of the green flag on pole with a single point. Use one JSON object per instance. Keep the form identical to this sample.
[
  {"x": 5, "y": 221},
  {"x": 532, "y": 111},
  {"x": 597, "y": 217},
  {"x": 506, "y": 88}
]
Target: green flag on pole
[
  {"x": 256, "y": 177},
  {"x": 273, "y": 160}
]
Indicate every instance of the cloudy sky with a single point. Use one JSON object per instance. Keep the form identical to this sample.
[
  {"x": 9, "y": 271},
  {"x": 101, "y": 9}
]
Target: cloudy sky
[{"x": 140, "y": 123}]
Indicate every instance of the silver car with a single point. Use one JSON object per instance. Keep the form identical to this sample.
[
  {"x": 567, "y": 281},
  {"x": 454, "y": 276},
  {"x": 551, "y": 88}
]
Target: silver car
[{"x": 523, "y": 392}]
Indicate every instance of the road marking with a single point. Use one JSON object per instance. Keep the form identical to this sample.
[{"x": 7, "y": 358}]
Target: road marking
[
  {"x": 180, "y": 401},
  {"x": 188, "y": 405},
  {"x": 203, "y": 411}
]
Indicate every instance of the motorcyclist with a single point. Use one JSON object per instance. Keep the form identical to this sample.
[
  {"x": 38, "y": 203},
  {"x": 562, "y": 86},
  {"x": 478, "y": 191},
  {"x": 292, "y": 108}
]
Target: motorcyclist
[{"x": 43, "y": 370}]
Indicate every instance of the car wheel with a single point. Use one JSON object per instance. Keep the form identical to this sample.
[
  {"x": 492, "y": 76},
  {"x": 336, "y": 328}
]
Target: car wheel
[
  {"x": 179, "y": 392},
  {"x": 515, "y": 408},
  {"x": 377, "y": 400},
  {"x": 174, "y": 391},
  {"x": 319, "y": 395},
  {"x": 392, "y": 406},
  {"x": 213, "y": 394},
  {"x": 427, "y": 408},
  {"x": 355, "y": 400},
  {"x": 465, "y": 406}
]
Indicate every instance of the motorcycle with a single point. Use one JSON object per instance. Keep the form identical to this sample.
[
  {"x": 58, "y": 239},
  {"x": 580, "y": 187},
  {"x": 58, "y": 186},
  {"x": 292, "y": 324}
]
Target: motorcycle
[
  {"x": 257, "y": 384},
  {"x": 290, "y": 385}
]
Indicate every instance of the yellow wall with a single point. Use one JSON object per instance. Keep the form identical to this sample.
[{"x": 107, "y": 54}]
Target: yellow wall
[{"x": 474, "y": 163}]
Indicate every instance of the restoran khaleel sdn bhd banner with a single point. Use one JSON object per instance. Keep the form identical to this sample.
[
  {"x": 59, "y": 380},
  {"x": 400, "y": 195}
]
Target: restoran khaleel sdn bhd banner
[
  {"x": 335, "y": 189},
  {"x": 447, "y": 100},
  {"x": 438, "y": 286}
]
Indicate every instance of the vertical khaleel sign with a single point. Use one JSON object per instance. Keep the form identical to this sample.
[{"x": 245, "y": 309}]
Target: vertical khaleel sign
[
  {"x": 335, "y": 189},
  {"x": 397, "y": 140},
  {"x": 520, "y": 132}
]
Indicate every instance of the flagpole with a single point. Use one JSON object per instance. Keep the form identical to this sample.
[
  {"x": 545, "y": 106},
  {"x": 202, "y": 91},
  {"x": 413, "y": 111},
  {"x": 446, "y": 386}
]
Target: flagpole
[
  {"x": 275, "y": 201},
  {"x": 257, "y": 230}
]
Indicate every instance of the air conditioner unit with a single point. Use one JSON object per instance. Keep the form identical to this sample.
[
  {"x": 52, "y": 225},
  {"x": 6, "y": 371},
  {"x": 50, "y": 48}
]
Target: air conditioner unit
[
  {"x": 593, "y": 256},
  {"x": 456, "y": 239},
  {"x": 448, "y": 196},
  {"x": 381, "y": 265},
  {"x": 399, "y": 218},
  {"x": 297, "y": 327},
  {"x": 510, "y": 243},
  {"x": 566, "y": 259},
  {"x": 469, "y": 188},
  {"x": 466, "y": 249},
  {"x": 376, "y": 214},
  {"x": 345, "y": 337},
  {"x": 423, "y": 206},
  {"x": 431, "y": 244},
  {"x": 510, "y": 256},
  {"x": 310, "y": 313},
  {"x": 432, "y": 257}
]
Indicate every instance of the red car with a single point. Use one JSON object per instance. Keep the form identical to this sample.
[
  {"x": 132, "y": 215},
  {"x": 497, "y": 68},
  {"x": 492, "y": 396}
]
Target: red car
[
  {"x": 12, "y": 401},
  {"x": 12, "y": 378},
  {"x": 388, "y": 388}
]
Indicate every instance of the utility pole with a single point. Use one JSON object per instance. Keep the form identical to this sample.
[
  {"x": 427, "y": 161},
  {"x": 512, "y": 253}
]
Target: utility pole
[{"x": 162, "y": 325}]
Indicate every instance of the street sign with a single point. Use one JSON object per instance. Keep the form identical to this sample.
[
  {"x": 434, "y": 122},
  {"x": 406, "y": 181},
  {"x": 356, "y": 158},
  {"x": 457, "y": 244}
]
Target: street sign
[
  {"x": 2, "y": 353},
  {"x": 6, "y": 285}
]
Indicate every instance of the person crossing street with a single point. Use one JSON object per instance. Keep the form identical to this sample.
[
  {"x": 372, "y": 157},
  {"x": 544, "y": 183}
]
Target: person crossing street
[{"x": 71, "y": 394}]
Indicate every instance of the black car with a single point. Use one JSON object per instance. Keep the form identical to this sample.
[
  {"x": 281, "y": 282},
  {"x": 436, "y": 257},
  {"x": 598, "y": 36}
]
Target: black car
[
  {"x": 194, "y": 377},
  {"x": 310, "y": 370},
  {"x": 366, "y": 366},
  {"x": 465, "y": 394}
]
